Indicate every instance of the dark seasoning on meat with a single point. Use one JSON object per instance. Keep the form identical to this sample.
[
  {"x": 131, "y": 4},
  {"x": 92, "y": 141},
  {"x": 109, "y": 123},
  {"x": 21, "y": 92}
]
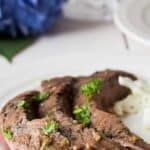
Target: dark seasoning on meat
[{"x": 54, "y": 118}]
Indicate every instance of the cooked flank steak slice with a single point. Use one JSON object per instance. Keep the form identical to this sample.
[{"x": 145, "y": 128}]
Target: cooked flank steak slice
[
  {"x": 59, "y": 107},
  {"x": 101, "y": 119},
  {"x": 20, "y": 121},
  {"x": 46, "y": 120}
]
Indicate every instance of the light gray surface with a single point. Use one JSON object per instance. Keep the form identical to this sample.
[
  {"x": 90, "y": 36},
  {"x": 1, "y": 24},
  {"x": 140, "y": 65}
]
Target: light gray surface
[
  {"x": 101, "y": 10},
  {"x": 72, "y": 44}
]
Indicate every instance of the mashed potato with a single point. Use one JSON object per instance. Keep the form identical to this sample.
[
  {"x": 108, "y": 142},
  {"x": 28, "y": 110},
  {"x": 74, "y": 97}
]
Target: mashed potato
[{"x": 135, "y": 108}]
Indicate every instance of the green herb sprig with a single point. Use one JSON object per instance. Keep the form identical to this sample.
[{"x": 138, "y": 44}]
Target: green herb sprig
[
  {"x": 83, "y": 114},
  {"x": 7, "y": 134},
  {"x": 41, "y": 96},
  {"x": 50, "y": 127},
  {"x": 91, "y": 88},
  {"x": 22, "y": 104}
]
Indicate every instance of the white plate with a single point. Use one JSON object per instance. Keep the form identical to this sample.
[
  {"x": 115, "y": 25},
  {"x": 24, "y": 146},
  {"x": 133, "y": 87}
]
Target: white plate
[
  {"x": 28, "y": 77},
  {"x": 41, "y": 72},
  {"x": 133, "y": 18}
]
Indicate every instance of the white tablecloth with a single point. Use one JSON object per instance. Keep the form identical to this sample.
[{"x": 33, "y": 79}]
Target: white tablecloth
[{"x": 70, "y": 42}]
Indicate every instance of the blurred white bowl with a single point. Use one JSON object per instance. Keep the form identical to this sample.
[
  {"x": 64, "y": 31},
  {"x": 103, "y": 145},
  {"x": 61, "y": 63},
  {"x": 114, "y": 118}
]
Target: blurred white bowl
[
  {"x": 133, "y": 19},
  {"x": 90, "y": 10}
]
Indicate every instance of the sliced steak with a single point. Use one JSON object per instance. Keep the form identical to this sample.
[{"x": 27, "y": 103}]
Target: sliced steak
[
  {"x": 60, "y": 91},
  {"x": 107, "y": 123},
  {"x": 26, "y": 128},
  {"x": 111, "y": 90},
  {"x": 106, "y": 131},
  {"x": 59, "y": 107},
  {"x": 10, "y": 115}
]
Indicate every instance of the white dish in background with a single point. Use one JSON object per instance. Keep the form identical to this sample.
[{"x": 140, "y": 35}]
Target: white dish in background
[{"x": 133, "y": 19}]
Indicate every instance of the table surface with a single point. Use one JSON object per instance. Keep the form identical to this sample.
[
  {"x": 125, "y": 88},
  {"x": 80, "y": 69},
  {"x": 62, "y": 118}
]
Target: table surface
[{"x": 67, "y": 42}]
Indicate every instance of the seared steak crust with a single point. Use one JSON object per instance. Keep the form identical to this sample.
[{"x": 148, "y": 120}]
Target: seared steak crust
[
  {"x": 59, "y": 106},
  {"x": 26, "y": 126},
  {"x": 103, "y": 119},
  {"x": 106, "y": 131}
]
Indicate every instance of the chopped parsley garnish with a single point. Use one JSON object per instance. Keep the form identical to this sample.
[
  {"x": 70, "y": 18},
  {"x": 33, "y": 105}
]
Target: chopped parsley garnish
[
  {"x": 50, "y": 127},
  {"x": 41, "y": 96},
  {"x": 83, "y": 114},
  {"x": 91, "y": 88},
  {"x": 22, "y": 104},
  {"x": 7, "y": 134}
]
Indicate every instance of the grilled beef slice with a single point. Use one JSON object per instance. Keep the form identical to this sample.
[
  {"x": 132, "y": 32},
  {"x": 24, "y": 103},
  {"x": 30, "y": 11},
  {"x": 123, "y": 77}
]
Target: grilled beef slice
[
  {"x": 59, "y": 106},
  {"x": 27, "y": 130},
  {"x": 103, "y": 121},
  {"x": 26, "y": 126},
  {"x": 106, "y": 131}
]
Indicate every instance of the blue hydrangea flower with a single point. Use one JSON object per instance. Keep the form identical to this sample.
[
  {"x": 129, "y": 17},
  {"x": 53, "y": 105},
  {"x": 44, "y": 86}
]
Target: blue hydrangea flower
[{"x": 28, "y": 17}]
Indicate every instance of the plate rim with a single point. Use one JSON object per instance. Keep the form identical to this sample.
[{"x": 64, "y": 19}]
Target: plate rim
[
  {"x": 124, "y": 25},
  {"x": 34, "y": 82}
]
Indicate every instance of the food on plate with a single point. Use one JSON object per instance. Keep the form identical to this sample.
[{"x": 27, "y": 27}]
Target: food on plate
[
  {"x": 138, "y": 101},
  {"x": 135, "y": 102},
  {"x": 70, "y": 113}
]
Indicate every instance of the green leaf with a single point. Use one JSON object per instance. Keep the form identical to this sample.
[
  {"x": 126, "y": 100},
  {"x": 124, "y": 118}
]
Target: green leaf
[
  {"x": 22, "y": 104},
  {"x": 10, "y": 47},
  {"x": 41, "y": 96},
  {"x": 92, "y": 87},
  {"x": 83, "y": 114},
  {"x": 50, "y": 127},
  {"x": 7, "y": 133}
]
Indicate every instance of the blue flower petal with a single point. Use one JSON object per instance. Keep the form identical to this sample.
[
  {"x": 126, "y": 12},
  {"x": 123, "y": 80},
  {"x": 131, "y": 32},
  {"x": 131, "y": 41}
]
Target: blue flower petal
[{"x": 28, "y": 17}]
